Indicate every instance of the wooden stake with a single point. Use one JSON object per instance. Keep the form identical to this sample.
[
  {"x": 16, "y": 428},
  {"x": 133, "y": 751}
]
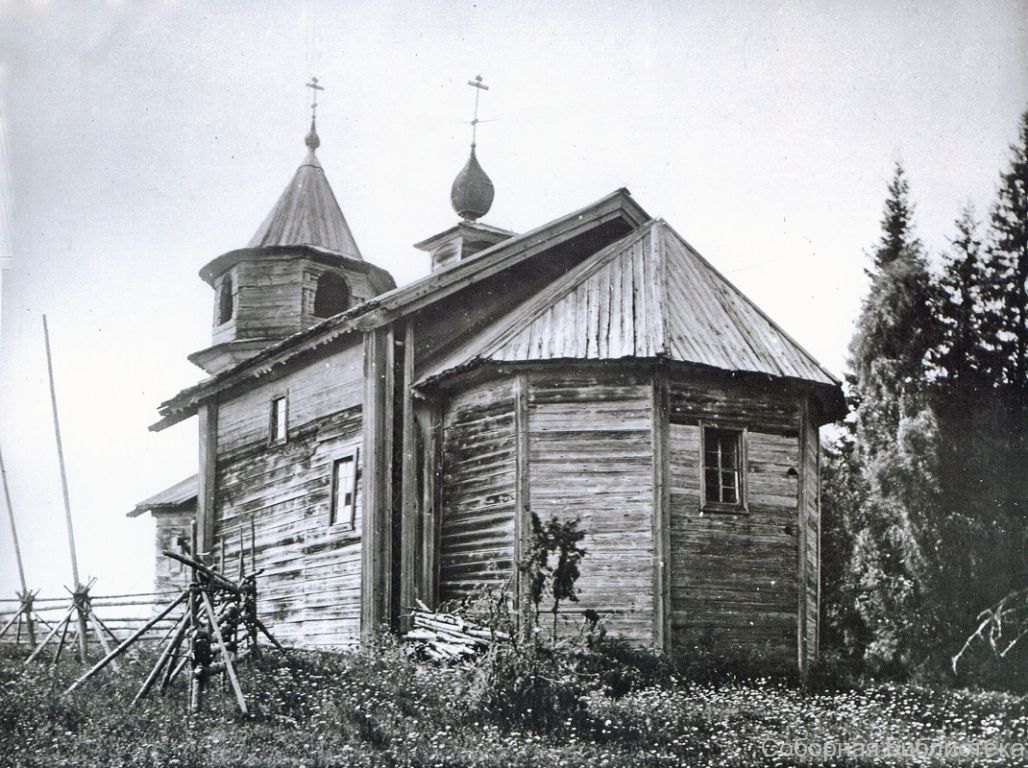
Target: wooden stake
[
  {"x": 14, "y": 529},
  {"x": 25, "y": 595},
  {"x": 126, "y": 643},
  {"x": 64, "y": 488},
  {"x": 100, "y": 636},
  {"x": 60, "y": 644},
  {"x": 49, "y": 637},
  {"x": 163, "y": 659},
  {"x": 224, "y": 653}
]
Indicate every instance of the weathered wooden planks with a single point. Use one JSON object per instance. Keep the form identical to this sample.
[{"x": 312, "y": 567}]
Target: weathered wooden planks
[
  {"x": 733, "y": 577},
  {"x": 311, "y": 586},
  {"x": 591, "y": 456},
  {"x": 477, "y": 526}
]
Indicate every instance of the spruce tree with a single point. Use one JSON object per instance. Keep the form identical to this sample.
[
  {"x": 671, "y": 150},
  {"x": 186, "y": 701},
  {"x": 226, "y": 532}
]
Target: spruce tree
[
  {"x": 1008, "y": 267},
  {"x": 960, "y": 308},
  {"x": 895, "y": 530}
]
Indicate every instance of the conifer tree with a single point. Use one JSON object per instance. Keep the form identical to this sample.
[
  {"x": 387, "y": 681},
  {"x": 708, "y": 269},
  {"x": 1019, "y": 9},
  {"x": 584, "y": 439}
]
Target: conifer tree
[
  {"x": 1008, "y": 271},
  {"x": 960, "y": 308},
  {"x": 895, "y": 530}
]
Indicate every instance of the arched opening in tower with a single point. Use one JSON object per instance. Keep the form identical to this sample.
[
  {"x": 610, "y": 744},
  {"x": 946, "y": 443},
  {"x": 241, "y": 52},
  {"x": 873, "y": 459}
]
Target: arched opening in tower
[
  {"x": 225, "y": 301},
  {"x": 332, "y": 295}
]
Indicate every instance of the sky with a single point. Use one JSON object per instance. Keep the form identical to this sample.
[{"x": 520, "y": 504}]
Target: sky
[{"x": 139, "y": 140}]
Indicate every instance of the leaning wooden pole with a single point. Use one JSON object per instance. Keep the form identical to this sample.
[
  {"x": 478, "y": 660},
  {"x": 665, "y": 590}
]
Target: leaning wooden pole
[
  {"x": 14, "y": 529},
  {"x": 64, "y": 489},
  {"x": 25, "y": 596}
]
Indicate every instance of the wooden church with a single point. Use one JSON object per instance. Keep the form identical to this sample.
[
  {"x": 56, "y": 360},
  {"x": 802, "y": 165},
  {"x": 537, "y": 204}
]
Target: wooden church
[{"x": 389, "y": 444}]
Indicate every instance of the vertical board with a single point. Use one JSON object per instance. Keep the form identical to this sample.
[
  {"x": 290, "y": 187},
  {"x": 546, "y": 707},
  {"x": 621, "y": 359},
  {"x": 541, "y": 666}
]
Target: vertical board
[
  {"x": 591, "y": 457},
  {"x": 812, "y": 523},
  {"x": 476, "y": 541},
  {"x": 309, "y": 592}
]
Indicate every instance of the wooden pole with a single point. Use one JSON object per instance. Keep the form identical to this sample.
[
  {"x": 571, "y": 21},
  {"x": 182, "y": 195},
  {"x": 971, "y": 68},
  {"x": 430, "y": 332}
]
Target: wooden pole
[
  {"x": 165, "y": 658},
  {"x": 14, "y": 530},
  {"x": 60, "y": 644},
  {"x": 47, "y": 639},
  {"x": 126, "y": 643},
  {"x": 224, "y": 653},
  {"x": 25, "y": 597},
  {"x": 64, "y": 488}
]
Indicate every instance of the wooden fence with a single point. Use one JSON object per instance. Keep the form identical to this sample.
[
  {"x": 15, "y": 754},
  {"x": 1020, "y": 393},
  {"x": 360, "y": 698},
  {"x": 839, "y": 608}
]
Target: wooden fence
[{"x": 123, "y": 614}]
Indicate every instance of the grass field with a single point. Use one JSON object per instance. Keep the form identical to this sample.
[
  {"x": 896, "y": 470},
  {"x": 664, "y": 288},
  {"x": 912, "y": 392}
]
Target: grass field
[{"x": 382, "y": 709}]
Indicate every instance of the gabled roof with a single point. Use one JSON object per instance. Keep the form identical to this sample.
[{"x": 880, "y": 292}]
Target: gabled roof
[
  {"x": 648, "y": 295},
  {"x": 175, "y": 496},
  {"x": 615, "y": 207},
  {"x": 307, "y": 214}
]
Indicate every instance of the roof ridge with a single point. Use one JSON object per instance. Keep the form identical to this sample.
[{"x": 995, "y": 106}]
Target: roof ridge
[{"x": 747, "y": 300}]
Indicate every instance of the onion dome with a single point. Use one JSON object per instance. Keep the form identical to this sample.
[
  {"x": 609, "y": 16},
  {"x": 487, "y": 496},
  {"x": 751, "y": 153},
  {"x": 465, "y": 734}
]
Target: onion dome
[{"x": 472, "y": 191}]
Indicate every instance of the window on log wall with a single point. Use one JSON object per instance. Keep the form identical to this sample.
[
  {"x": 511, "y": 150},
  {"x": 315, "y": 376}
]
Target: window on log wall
[
  {"x": 279, "y": 422},
  {"x": 723, "y": 476},
  {"x": 344, "y": 491}
]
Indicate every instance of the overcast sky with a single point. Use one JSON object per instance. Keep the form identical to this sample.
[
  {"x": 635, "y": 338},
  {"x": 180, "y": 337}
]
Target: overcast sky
[{"x": 141, "y": 140}]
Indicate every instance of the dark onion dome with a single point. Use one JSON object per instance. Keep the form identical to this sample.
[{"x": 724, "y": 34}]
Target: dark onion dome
[{"x": 472, "y": 191}]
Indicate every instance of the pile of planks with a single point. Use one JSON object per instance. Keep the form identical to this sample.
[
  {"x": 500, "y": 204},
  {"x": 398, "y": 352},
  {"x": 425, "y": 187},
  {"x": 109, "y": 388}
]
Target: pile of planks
[{"x": 446, "y": 636}]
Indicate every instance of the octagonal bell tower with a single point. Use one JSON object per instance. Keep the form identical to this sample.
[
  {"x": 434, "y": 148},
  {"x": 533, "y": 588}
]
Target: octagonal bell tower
[{"x": 300, "y": 267}]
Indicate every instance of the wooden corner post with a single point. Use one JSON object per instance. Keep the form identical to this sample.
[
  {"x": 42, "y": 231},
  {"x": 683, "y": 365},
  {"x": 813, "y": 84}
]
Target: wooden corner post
[
  {"x": 409, "y": 486},
  {"x": 376, "y": 515},
  {"x": 206, "y": 477},
  {"x": 661, "y": 426},
  {"x": 801, "y": 565}
]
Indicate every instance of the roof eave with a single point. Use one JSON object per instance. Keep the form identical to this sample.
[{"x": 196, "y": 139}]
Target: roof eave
[{"x": 400, "y": 301}]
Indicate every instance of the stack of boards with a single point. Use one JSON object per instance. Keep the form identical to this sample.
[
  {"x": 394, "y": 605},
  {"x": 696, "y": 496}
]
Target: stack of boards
[{"x": 446, "y": 636}]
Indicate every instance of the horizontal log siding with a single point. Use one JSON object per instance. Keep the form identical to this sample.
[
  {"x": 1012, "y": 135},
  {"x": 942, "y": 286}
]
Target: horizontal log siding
[
  {"x": 591, "y": 456},
  {"x": 310, "y": 588},
  {"x": 478, "y": 474},
  {"x": 171, "y": 528},
  {"x": 734, "y": 577}
]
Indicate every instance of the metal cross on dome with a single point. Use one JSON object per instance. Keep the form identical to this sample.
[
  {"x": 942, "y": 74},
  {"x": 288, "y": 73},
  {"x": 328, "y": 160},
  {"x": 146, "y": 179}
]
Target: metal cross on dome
[
  {"x": 479, "y": 86},
  {"x": 313, "y": 85}
]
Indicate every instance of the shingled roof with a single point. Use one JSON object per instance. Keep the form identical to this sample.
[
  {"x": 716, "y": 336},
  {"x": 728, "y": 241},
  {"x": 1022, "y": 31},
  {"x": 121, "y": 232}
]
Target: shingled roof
[
  {"x": 307, "y": 214},
  {"x": 648, "y": 295},
  {"x": 180, "y": 493}
]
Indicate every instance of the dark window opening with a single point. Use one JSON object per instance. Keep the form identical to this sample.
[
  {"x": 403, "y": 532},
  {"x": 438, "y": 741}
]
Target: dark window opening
[
  {"x": 278, "y": 420},
  {"x": 722, "y": 479},
  {"x": 225, "y": 301},
  {"x": 343, "y": 508},
  {"x": 332, "y": 295}
]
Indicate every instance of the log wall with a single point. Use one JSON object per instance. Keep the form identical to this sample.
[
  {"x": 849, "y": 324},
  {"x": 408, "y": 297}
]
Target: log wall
[
  {"x": 734, "y": 576},
  {"x": 173, "y": 531},
  {"x": 591, "y": 452},
  {"x": 476, "y": 537},
  {"x": 310, "y": 589}
]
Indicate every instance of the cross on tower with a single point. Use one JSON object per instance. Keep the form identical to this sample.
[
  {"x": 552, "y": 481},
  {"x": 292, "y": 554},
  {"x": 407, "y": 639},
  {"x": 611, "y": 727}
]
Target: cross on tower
[
  {"x": 479, "y": 86},
  {"x": 313, "y": 85}
]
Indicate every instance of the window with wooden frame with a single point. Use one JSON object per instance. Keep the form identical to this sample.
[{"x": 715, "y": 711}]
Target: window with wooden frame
[
  {"x": 278, "y": 424},
  {"x": 343, "y": 507},
  {"x": 724, "y": 478}
]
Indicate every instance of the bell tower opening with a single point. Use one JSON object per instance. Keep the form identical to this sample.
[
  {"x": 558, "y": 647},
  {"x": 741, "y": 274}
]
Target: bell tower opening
[
  {"x": 331, "y": 296},
  {"x": 225, "y": 307}
]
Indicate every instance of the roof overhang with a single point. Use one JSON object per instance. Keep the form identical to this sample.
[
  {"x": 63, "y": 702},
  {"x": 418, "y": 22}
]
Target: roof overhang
[
  {"x": 218, "y": 266},
  {"x": 170, "y": 499},
  {"x": 395, "y": 304}
]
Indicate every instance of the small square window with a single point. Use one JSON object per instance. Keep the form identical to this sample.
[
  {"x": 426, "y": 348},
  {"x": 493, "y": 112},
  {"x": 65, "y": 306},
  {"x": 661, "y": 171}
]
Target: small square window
[
  {"x": 279, "y": 420},
  {"x": 722, "y": 467},
  {"x": 344, "y": 491}
]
